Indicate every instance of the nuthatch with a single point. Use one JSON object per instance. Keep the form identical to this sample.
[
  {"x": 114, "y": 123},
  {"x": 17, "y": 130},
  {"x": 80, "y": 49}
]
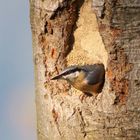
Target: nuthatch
[{"x": 88, "y": 78}]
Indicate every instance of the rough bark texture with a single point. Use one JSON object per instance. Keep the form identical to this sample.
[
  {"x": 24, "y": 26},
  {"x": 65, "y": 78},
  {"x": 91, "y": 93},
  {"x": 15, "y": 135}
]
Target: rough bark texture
[{"x": 66, "y": 32}]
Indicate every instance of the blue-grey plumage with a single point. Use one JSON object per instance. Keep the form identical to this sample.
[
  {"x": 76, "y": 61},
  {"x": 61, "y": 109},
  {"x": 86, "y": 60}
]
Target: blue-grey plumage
[{"x": 88, "y": 78}]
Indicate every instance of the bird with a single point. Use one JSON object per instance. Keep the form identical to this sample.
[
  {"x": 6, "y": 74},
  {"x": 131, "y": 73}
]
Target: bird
[{"x": 89, "y": 79}]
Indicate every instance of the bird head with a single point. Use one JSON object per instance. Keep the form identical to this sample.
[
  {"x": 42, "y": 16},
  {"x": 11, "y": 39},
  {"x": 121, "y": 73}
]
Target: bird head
[{"x": 70, "y": 74}]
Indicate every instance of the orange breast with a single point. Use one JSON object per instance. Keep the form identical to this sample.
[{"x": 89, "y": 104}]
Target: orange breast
[{"x": 88, "y": 88}]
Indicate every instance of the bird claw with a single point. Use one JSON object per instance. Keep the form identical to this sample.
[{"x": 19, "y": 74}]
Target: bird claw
[{"x": 84, "y": 96}]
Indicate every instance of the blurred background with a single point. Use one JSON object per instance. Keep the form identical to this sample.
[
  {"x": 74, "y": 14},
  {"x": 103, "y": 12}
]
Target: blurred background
[{"x": 17, "y": 100}]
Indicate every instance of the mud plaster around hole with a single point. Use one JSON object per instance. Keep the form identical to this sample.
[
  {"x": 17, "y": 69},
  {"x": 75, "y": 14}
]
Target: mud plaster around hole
[{"x": 88, "y": 47}]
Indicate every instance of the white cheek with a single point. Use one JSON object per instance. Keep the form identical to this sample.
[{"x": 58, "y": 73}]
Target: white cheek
[
  {"x": 76, "y": 74},
  {"x": 71, "y": 76},
  {"x": 65, "y": 77}
]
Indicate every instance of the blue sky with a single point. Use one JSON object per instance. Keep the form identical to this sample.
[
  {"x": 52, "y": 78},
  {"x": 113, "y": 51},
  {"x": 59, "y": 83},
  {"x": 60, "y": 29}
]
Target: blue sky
[{"x": 17, "y": 103}]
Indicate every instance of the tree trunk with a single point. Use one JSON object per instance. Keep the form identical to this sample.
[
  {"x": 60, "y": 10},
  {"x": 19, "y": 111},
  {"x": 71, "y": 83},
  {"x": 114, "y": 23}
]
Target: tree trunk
[{"x": 71, "y": 32}]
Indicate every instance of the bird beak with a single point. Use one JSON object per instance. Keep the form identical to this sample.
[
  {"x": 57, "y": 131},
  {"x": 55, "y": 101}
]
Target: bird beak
[{"x": 56, "y": 77}]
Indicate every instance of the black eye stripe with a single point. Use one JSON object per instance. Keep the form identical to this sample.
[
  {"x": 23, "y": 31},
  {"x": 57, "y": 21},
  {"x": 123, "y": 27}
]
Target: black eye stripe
[{"x": 70, "y": 71}]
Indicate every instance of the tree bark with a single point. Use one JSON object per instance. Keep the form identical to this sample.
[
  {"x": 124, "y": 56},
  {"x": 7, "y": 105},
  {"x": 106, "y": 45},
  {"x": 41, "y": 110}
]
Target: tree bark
[{"x": 71, "y": 32}]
